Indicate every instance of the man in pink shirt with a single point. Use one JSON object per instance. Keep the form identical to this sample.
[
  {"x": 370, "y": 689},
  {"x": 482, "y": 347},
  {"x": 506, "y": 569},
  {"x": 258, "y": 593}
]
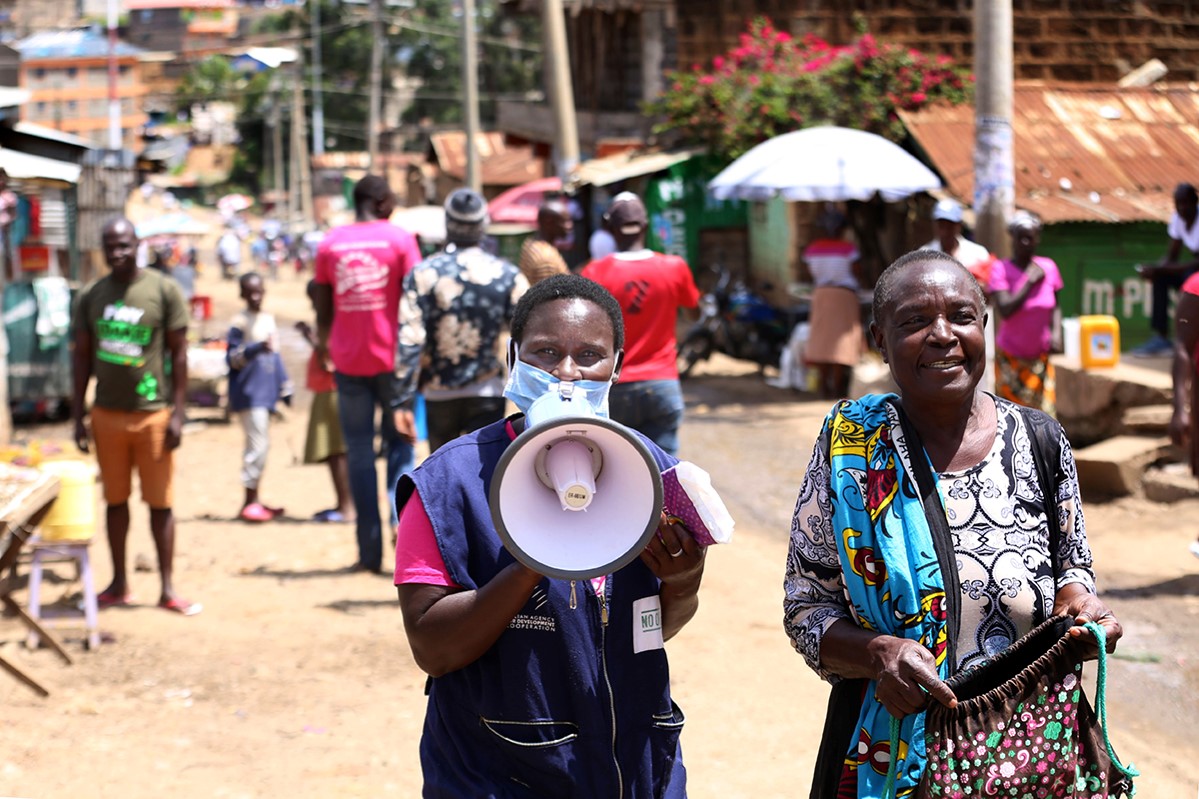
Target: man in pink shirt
[{"x": 359, "y": 271}]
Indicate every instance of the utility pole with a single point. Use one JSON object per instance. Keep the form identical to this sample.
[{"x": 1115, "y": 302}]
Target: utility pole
[
  {"x": 301, "y": 167},
  {"x": 994, "y": 172},
  {"x": 470, "y": 88},
  {"x": 281, "y": 209},
  {"x": 376, "y": 80},
  {"x": 562, "y": 97},
  {"x": 114, "y": 102},
  {"x": 295, "y": 71},
  {"x": 293, "y": 162},
  {"x": 318, "y": 101}
]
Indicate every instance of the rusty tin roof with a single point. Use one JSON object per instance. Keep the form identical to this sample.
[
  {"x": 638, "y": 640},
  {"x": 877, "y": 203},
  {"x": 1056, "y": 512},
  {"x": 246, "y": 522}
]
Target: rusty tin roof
[
  {"x": 501, "y": 164},
  {"x": 1082, "y": 152}
]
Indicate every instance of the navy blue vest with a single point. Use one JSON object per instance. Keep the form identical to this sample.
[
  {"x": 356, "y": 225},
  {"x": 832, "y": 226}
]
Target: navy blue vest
[{"x": 560, "y": 706}]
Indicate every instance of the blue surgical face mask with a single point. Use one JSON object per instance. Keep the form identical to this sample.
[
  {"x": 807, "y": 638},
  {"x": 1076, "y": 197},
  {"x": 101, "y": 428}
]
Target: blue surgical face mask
[{"x": 527, "y": 384}]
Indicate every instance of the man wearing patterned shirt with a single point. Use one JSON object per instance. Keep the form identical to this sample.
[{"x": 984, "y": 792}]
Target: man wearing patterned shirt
[{"x": 455, "y": 306}]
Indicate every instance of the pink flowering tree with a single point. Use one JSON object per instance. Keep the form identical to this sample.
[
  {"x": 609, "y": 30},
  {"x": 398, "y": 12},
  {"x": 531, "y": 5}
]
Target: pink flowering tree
[{"x": 772, "y": 83}]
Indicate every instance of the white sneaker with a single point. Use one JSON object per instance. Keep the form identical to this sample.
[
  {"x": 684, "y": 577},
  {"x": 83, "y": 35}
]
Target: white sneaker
[{"x": 1195, "y": 548}]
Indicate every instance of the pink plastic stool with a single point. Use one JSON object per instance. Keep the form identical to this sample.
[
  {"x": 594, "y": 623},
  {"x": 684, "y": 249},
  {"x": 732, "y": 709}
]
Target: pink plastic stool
[{"x": 54, "y": 552}]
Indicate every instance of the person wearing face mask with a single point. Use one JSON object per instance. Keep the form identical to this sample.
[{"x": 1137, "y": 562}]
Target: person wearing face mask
[
  {"x": 455, "y": 307},
  {"x": 537, "y": 690},
  {"x": 541, "y": 254}
]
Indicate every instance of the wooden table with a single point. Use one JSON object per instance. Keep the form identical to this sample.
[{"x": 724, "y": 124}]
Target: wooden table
[{"x": 25, "y": 498}]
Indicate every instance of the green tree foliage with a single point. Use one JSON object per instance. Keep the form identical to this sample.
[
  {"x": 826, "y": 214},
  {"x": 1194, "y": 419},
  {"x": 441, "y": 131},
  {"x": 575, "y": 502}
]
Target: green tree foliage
[
  {"x": 772, "y": 84},
  {"x": 423, "y": 42},
  {"x": 429, "y": 48},
  {"x": 212, "y": 79}
]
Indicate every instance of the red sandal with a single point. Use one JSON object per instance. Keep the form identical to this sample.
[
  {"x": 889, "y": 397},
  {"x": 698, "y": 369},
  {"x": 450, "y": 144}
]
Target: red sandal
[
  {"x": 108, "y": 599},
  {"x": 256, "y": 512},
  {"x": 183, "y": 607}
]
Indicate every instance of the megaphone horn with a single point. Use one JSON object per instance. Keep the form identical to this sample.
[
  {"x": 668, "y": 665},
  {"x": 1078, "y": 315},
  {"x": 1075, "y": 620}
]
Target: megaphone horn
[
  {"x": 576, "y": 496},
  {"x": 570, "y": 467}
]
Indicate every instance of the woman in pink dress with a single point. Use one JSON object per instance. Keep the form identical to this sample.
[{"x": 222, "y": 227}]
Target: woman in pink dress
[{"x": 1024, "y": 289}]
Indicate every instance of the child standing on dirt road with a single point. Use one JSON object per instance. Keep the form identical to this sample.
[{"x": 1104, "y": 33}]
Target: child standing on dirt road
[
  {"x": 257, "y": 380},
  {"x": 325, "y": 443}
]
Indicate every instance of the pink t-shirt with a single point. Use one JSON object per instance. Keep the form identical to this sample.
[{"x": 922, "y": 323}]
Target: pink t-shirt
[
  {"x": 1027, "y": 333},
  {"x": 418, "y": 558},
  {"x": 365, "y": 263}
]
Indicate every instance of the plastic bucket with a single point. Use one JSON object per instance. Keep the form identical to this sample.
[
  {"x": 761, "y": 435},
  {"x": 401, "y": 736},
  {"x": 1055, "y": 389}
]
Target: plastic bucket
[
  {"x": 1072, "y": 338},
  {"x": 72, "y": 517},
  {"x": 201, "y": 308}
]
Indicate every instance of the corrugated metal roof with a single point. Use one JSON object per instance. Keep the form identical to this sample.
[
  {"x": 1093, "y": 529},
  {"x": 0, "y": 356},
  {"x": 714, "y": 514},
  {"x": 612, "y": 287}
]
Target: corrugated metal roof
[
  {"x": 622, "y": 166},
  {"x": 1082, "y": 152},
  {"x": 359, "y": 159},
  {"x": 10, "y": 96},
  {"x": 501, "y": 164},
  {"x": 23, "y": 166},
  {"x": 534, "y": 6},
  {"x": 268, "y": 57},
  {"x": 139, "y": 5},
  {"x": 79, "y": 43},
  {"x": 43, "y": 132}
]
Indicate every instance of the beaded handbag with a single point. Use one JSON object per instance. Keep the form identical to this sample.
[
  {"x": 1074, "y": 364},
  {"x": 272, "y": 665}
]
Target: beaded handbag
[{"x": 1023, "y": 728}]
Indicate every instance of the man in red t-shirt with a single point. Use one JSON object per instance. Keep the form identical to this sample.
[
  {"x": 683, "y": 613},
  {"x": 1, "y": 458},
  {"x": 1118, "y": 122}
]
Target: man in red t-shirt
[
  {"x": 651, "y": 288},
  {"x": 359, "y": 271}
]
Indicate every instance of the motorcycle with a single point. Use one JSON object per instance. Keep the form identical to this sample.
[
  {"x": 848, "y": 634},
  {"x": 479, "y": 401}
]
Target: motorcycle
[{"x": 738, "y": 322}]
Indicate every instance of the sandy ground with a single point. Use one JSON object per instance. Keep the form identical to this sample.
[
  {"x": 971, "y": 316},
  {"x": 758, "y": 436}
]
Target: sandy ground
[{"x": 297, "y": 681}]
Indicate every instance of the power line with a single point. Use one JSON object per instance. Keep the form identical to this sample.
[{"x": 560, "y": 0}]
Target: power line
[
  {"x": 457, "y": 34},
  {"x": 275, "y": 38},
  {"x": 329, "y": 87}
]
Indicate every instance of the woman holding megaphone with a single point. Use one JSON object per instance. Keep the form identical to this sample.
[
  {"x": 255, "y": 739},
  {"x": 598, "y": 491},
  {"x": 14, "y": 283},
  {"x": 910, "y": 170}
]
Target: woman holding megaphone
[{"x": 541, "y": 687}]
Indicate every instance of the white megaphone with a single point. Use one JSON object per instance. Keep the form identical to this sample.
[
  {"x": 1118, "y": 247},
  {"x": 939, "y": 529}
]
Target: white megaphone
[{"x": 575, "y": 495}]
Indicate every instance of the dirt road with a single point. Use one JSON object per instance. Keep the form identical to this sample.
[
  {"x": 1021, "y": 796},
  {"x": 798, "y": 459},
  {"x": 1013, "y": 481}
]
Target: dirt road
[{"x": 296, "y": 679}]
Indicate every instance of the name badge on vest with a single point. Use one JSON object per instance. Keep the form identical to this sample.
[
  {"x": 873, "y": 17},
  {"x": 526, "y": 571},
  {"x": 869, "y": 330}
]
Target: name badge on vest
[{"x": 647, "y": 624}]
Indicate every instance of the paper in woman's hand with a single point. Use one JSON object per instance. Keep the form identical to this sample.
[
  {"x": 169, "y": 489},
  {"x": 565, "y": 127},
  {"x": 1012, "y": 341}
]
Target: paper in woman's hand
[{"x": 688, "y": 495}]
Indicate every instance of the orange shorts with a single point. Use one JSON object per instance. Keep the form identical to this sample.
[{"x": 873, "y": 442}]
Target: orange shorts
[{"x": 125, "y": 439}]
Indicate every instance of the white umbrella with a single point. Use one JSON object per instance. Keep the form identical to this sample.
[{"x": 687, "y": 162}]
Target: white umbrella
[
  {"x": 230, "y": 204},
  {"x": 426, "y": 221},
  {"x": 173, "y": 224},
  {"x": 826, "y": 164}
]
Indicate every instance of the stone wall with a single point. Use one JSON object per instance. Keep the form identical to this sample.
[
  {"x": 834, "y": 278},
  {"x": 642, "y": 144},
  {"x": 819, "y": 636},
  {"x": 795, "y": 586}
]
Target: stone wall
[{"x": 1073, "y": 40}]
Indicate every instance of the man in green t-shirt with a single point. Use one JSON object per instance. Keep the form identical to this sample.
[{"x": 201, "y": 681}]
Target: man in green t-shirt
[{"x": 131, "y": 333}]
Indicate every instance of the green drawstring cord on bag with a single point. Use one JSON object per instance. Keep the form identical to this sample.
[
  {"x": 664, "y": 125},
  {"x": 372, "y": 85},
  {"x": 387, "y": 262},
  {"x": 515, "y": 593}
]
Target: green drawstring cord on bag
[
  {"x": 893, "y": 766},
  {"x": 1101, "y": 704},
  {"x": 1100, "y": 709}
]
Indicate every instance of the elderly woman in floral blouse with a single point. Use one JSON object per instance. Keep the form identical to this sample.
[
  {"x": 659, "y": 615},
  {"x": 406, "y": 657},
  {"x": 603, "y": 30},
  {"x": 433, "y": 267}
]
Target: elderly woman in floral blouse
[{"x": 933, "y": 529}]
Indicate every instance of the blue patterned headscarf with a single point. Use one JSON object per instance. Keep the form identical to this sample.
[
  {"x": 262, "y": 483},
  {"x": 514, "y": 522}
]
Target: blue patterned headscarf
[{"x": 890, "y": 570}]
